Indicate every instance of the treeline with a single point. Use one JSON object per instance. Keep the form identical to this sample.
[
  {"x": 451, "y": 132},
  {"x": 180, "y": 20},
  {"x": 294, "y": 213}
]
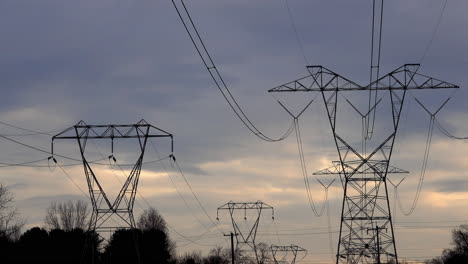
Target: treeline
[
  {"x": 459, "y": 252},
  {"x": 37, "y": 245},
  {"x": 63, "y": 239}
]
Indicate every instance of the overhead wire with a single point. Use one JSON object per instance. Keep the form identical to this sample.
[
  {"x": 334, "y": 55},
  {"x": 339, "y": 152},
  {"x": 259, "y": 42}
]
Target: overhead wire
[
  {"x": 195, "y": 196},
  {"x": 372, "y": 66},
  {"x": 316, "y": 212},
  {"x": 193, "y": 193},
  {"x": 296, "y": 33},
  {"x": 27, "y": 163},
  {"x": 423, "y": 166},
  {"x": 61, "y": 166},
  {"x": 422, "y": 173},
  {"x": 31, "y": 132},
  {"x": 446, "y": 132},
  {"x": 192, "y": 241},
  {"x": 434, "y": 32},
  {"x": 216, "y": 76}
]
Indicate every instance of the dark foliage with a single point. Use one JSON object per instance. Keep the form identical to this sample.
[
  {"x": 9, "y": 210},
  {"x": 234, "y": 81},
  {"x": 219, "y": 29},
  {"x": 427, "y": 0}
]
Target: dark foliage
[
  {"x": 150, "y": 246},
  {"x": 217, "y": 255},
  {"x": 38, "y": 245},
  {"x": 459, "y": 253}
]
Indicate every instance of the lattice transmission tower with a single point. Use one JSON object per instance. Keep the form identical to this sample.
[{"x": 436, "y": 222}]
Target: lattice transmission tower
[
  {"x": 244, "y": 238},
  {"x": 280, "y": 253},
  {"x": 366, "y": 229},
  {"x": 111, "y": 214}
]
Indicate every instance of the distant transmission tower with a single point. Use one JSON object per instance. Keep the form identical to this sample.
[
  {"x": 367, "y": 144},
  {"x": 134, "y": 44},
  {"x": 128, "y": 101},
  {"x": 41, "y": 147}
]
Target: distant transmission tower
[
  {"x": 366, "y": 230},
  {"x": 105, "y": 210},
  {"x": 243, "y": 239},
  {"x": 293, "y": 249}
]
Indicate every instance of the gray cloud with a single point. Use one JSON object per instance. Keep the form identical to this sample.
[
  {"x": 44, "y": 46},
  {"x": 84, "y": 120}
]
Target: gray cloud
[{"x": 120, "y": 61}]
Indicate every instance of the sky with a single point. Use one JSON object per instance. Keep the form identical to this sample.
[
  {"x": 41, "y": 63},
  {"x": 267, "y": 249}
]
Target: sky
[{"x": 116, "y": 62}]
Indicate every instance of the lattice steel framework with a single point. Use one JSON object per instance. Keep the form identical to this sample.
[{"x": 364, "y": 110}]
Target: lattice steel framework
[
  {"x": 243, "y": 239},
  {"x": 122, "y": 207},
  {"x": 294, "y": 249},
  {"x": 366, "y": 229}
]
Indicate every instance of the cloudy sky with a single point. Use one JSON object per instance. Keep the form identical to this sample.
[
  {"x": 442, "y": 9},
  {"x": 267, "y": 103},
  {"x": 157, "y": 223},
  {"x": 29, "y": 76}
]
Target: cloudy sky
[{"x": 115, "y": 61}]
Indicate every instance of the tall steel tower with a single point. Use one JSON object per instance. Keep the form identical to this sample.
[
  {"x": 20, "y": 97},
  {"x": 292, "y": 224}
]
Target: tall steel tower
[
  {"x": 246, "y": 238},
  {"x": 366, "y": 230},
  {"x": 112, "y": 213}
]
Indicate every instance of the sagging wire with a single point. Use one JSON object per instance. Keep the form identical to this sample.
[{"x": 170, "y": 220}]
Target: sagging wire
[
  {"x": 194, "y": 194},
  {"x": 377, "y": 67},
  {"x": 425, "y": 159},
  {"x": 177, "y": 190},
  {"x": 31, "y": 132},
  {"x": 173, "y": 161},
  {"x": 221, "y": 85},
  {"x": 317, "y": 213},
  {"x": 138, "y": 192},
  {"x": 330, "y": 238},
  {"x": 21, "y": 164},
  {"x": 191, "y": 241},
  {"x": 297, "y": 130},
  {"x": 446, "y": 132},
  {"x": 395, "y": 198},
  {"x": 57, "y": 164}
]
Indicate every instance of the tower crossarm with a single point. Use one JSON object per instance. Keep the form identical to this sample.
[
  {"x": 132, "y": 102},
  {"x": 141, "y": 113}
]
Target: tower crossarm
[
  {"x": 351, "y": 165},
  {"x": 404, "y": 77},
  {"x": 284, "y": 250},
  {"x": 319, "y": 79},
  {"x": 287, "y": 248},
  {"x": 138, "y": 130},
  {"x": 245, "y": 206}
]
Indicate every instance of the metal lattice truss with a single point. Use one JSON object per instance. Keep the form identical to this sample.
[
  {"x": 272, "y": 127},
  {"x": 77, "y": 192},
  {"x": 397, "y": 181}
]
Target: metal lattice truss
[
  {"x": 366, "y": 230},
  {"x": 122, "y": 207},
  {"x": 403, "y": 78},
  {"x": 243, "y": 239},
  {"x": 280, "y": 253},
  {"x": 350, "y": 166}
]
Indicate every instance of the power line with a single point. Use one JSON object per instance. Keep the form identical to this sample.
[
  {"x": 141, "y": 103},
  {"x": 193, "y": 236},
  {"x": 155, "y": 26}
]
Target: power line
[
  {"x": 434, "y": 32},
  {"x": 317, "y": 213},
  {"x": 28, "y": 163},
  {"x": 32, "y": 132},
  {"x": 192, "y": 241},
  {"x": 205, "y": 56},
  {"x": 195, "y": 196},
  {"x": 422, "y": 173},
  {"x": 374, "y": 67},
  {"x": 446, "y": 132},
  {"x": 296, "y": 32}
]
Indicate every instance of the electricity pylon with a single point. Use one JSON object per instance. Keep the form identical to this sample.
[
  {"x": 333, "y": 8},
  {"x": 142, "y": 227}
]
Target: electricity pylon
[
  {"x": 294, "y": 249},
  {"x": 122, "y": 207},
  {"x": 366, "y": 229},
  {"x": 243, "y": 239}
]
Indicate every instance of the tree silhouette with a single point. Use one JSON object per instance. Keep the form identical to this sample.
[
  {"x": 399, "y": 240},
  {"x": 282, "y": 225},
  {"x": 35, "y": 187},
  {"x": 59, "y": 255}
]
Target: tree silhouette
[
  {"x": 67, "y": 215},
  {"x": 152, "y": 219},
  {"x": 128, "y": 245},
  {"x": 459, "y": 253},
  {"x": 37, "y": 245},
  {"x": 10, "y": 225}
]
